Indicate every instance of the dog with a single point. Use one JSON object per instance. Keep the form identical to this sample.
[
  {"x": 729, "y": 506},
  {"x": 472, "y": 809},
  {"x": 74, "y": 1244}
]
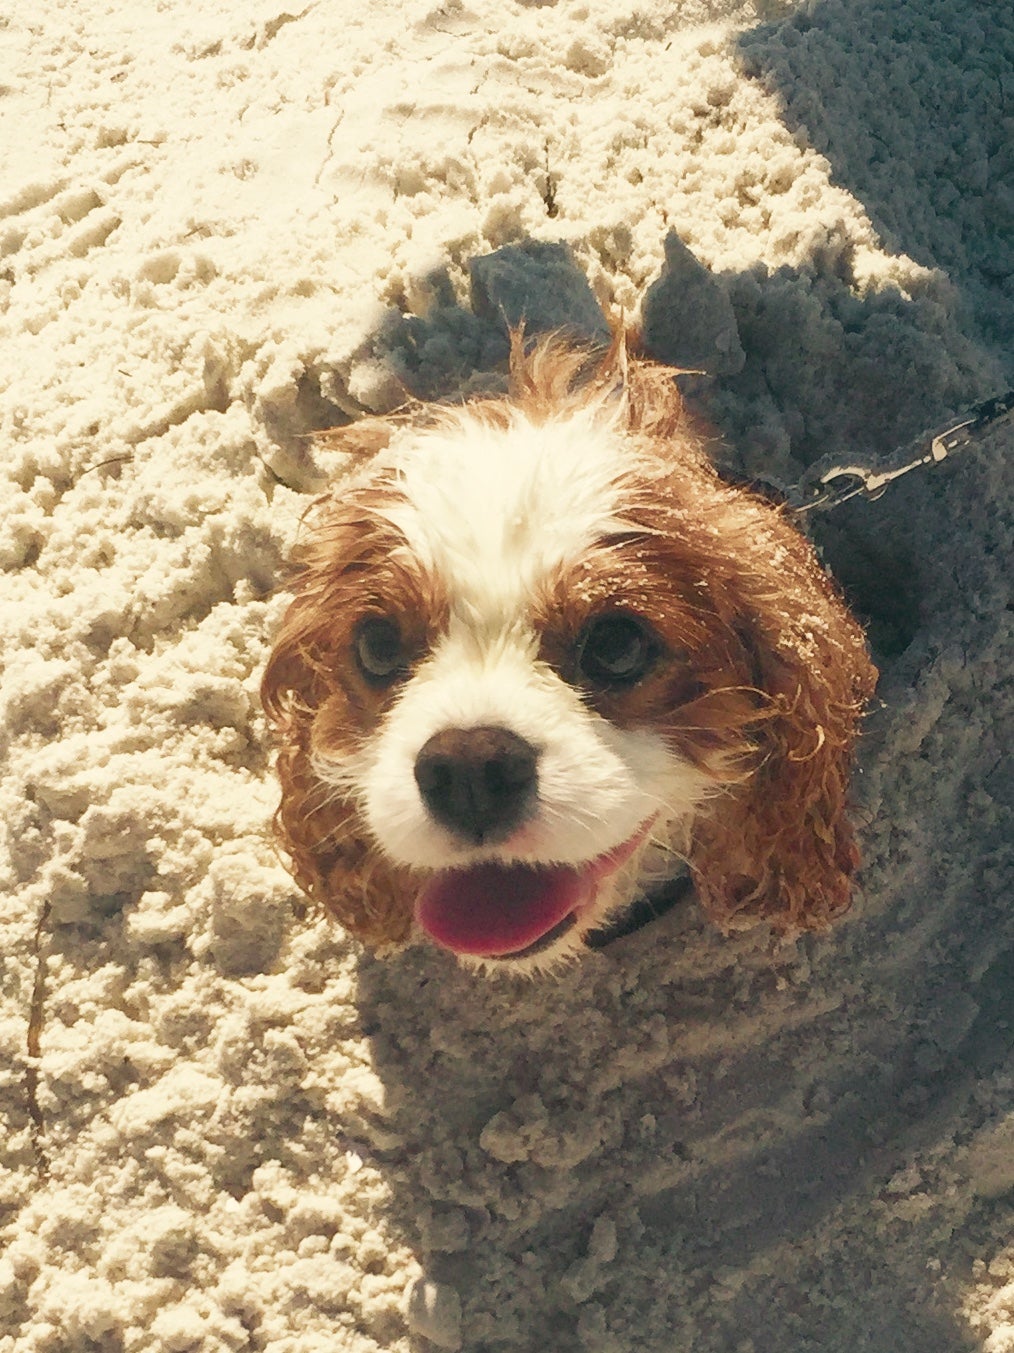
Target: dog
[{"x": 540, "y": 658}]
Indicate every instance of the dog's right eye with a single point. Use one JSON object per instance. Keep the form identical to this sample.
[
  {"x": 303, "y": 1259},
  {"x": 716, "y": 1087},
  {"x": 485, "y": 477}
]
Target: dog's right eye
[{"x": 379, "y": 650}]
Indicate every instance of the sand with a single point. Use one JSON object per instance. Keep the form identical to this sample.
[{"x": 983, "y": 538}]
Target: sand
[{"x": 227, "y": 1127}]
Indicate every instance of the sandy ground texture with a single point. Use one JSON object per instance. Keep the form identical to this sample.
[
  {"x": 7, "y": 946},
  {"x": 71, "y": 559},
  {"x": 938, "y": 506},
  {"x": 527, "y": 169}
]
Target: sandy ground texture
[{"x": 224, "y": 1126}]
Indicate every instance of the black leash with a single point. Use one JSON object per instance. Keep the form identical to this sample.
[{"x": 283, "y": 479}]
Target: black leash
[{"x": 830, "y": 482}]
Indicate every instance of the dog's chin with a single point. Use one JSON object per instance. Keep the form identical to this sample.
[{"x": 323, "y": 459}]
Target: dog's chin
[{"x": 522, "y": 916}]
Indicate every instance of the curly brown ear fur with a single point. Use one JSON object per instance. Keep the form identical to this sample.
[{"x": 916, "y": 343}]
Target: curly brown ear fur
[
  {"x": 778, "y": 843},
  {"x": 331, "y": 858},
  {"x": 308, "y": 708},
  {"x": 786, "y": 678}
]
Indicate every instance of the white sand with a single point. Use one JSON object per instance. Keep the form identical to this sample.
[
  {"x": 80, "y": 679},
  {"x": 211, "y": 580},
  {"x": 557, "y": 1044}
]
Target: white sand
[{"x": 224, "y": 1127}]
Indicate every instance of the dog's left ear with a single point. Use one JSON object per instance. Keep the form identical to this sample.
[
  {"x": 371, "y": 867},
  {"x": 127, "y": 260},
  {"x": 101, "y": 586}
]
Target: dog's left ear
[{"x": 779, "y": 843}]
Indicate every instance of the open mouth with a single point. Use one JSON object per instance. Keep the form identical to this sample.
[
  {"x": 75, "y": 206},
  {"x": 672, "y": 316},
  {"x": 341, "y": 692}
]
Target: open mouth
[{"x": 512, "y": 911}]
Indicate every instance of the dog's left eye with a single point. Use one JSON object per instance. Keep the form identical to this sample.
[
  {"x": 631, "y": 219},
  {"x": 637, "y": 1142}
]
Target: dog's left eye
[
  {"x": 615, "y": 650},
  {"x": 379, "y": 649}
]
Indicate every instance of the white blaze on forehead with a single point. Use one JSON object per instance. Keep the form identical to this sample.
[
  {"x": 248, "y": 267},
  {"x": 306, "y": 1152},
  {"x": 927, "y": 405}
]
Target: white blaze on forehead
[{"x": 494, "y": 511}]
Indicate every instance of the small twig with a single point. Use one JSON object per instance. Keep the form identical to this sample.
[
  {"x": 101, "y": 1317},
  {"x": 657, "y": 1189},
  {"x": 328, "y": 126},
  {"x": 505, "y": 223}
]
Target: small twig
[
  {"x": 33, "y": 1046},
  {"x": 113, "y": 460}
]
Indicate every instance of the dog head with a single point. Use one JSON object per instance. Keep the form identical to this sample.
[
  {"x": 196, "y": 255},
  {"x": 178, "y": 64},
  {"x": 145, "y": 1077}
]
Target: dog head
[{"x": 540, "y": 658}]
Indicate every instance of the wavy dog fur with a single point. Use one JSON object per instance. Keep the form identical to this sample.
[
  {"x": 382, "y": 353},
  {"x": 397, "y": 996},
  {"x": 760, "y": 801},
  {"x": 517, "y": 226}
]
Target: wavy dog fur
[{"x": 761, "y": 690}]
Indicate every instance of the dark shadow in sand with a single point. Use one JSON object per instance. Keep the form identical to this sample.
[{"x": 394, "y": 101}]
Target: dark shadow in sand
[{"x": 931, "y": 160}]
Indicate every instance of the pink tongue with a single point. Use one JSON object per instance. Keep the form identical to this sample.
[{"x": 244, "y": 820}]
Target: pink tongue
[{"x": 498, "y": 909}]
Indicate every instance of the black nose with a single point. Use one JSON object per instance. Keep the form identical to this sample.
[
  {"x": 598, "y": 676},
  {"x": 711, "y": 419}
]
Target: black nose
[{"x": 479, "y": 782}]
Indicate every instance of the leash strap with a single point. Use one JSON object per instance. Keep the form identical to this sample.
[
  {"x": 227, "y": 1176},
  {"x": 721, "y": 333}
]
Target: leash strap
[{"x": 828, "y": 484}]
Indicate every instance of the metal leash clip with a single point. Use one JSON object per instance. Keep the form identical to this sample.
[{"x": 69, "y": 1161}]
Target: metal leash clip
[{"x": 826, "y": 488}]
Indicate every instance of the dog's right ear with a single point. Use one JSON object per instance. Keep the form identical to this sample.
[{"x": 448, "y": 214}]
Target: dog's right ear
[{"x": 332, "y": 855}]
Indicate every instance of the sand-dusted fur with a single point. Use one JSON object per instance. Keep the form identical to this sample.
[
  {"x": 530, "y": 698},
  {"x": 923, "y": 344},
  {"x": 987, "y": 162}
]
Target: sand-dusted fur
[{"x": 764, "y": 678}]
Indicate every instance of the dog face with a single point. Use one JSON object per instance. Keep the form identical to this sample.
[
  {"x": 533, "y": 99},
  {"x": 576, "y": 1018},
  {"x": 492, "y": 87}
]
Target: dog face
[{"x": 540, "y": 659}]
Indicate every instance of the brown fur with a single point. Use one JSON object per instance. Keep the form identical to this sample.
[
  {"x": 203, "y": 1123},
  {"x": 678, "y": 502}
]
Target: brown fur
[
  {"x": 315, "y": 701},
  {"x": 765, "y": 687}
]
